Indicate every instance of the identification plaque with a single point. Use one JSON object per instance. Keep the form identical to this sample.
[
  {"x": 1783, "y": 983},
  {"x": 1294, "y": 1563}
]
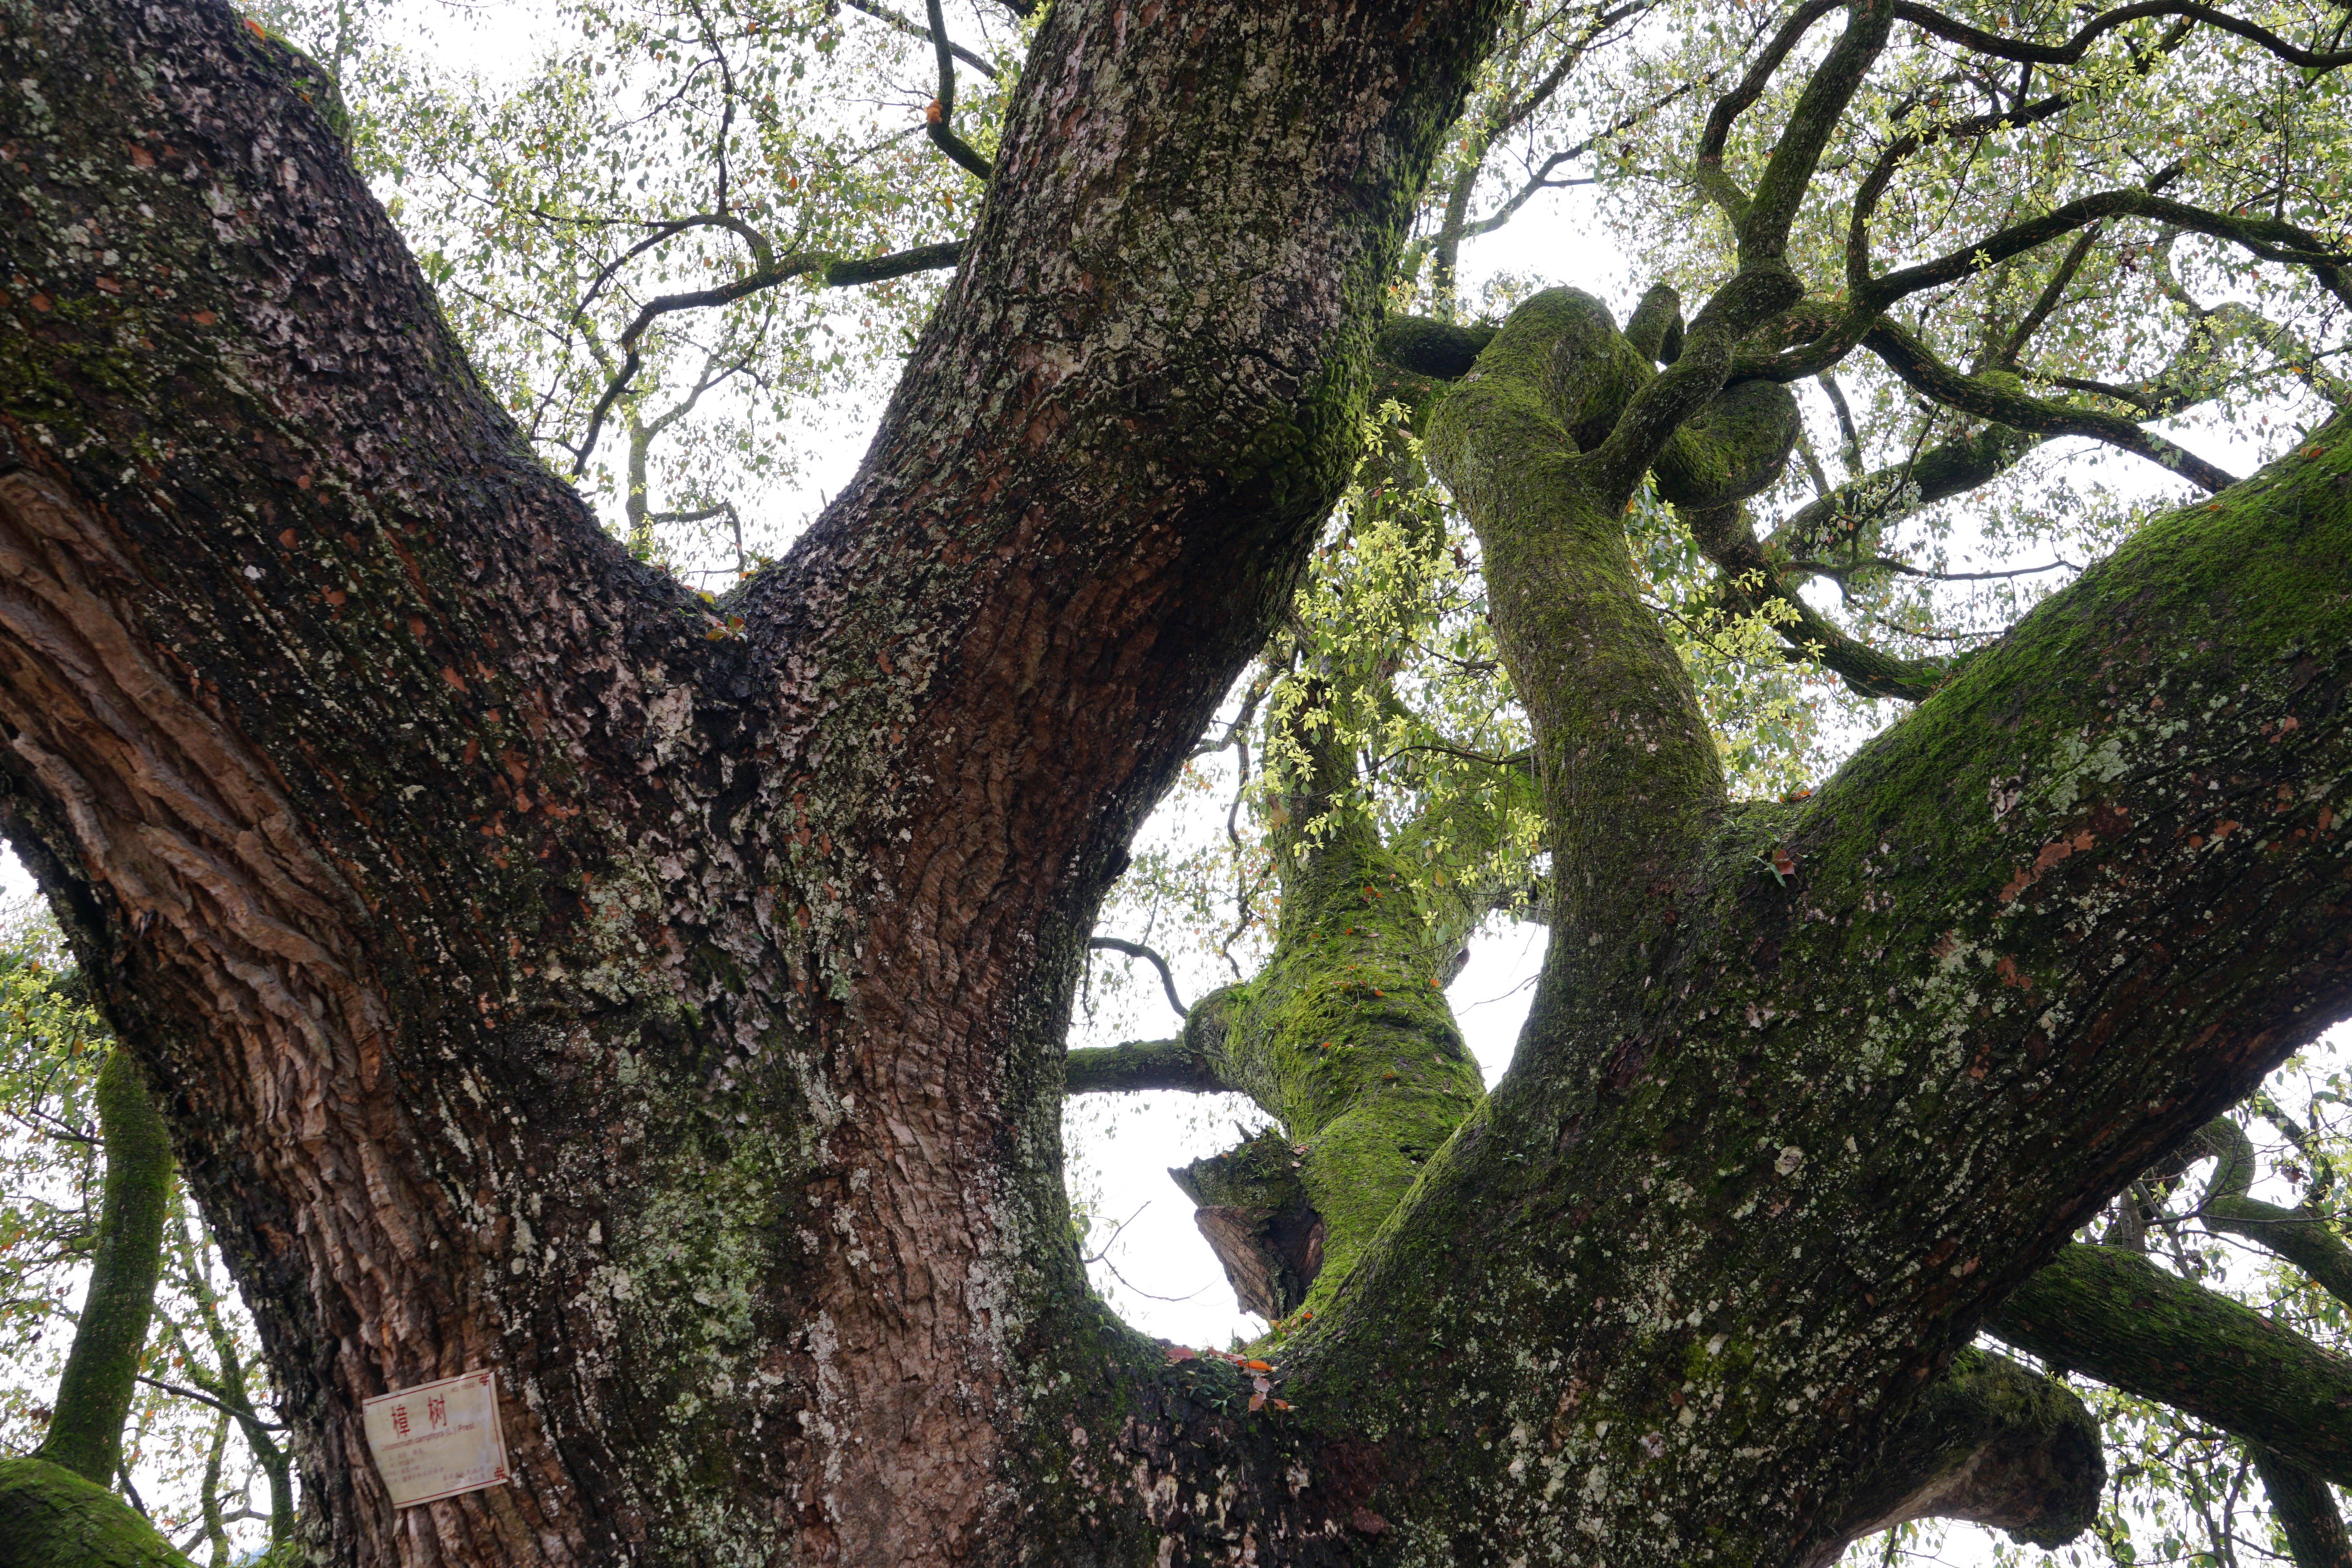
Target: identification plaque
[{"x": 437, "y": 1439}]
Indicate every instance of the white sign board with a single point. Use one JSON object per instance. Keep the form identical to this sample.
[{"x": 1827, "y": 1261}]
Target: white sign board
[{"x": 437, "y": 1439}]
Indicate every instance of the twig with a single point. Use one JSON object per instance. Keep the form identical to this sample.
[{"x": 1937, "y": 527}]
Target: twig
[
  {"x": 915, "y": 29},
  {"x": 1137, "y": 950}
]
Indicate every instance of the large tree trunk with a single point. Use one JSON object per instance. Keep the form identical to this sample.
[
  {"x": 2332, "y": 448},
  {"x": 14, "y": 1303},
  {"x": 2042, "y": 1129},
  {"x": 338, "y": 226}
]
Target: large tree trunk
[{"x": 544, "y": 978}]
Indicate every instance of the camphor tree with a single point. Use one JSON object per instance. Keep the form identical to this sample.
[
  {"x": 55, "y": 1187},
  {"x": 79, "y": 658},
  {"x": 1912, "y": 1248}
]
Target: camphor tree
[{"x": 663, "y": 1004}]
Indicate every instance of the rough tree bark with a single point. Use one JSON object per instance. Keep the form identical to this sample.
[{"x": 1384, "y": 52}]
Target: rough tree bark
[{"x": 541, "y": 977}]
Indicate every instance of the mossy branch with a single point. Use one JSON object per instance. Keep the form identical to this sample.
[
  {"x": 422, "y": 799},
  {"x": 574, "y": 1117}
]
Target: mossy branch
[
  {"x": 1949, "y": 468},
  {"x": 1133, "y": 1065},
  {"x": 52, "y": 1518},
  {"x": 1992, "y": 1442},
  {"x": 101, "y": 1371},
  {"x": 1439, "y": 350},
  {"x": 1998, "y": 399},
  {"x": 2112, "y": 1314},
  {"x": 1751, "y": 576},
  {"x": 2304, "y": 1239}
]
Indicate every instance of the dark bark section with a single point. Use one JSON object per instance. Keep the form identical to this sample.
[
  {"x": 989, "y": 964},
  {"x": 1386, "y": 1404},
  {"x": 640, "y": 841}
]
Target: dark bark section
[
  {"x": 2112, "y": 1314},
  {"x": 2305, "y": 1513},
  {"x": 101, "y": 1371},
  {"x": 1257, "y": 1217},
  {"x": 1992, "y": 1442}
]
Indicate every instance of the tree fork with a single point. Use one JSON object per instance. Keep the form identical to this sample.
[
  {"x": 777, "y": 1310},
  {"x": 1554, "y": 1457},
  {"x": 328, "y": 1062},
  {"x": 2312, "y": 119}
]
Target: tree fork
[{"x": 541, "y": 977}]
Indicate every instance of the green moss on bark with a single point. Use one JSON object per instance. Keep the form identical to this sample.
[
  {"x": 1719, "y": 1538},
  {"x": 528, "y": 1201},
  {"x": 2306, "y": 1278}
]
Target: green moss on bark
[
  {"x": 52, "y": 1518},
  {"x": 101, "y": 1371}
]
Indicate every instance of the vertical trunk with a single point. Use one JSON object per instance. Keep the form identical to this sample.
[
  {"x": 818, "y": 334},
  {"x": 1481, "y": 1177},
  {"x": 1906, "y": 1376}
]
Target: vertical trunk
[
  {"x": 101, "y": 1371},
  {"x": 545, "y": 980}
]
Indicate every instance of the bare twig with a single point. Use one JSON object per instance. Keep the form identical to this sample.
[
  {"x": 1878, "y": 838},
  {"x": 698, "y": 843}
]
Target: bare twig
[
  {"x": 1137, "y": 950},
  {"x": 915, "y": 29}
]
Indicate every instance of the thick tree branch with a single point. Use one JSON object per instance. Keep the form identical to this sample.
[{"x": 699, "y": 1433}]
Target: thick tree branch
[
  {"x": 1990, "y": 1443},
  {"x": 2272, "y": 241},
  {"x": 1728, "y": 109},
  {"x": 1886, "y": 495},
  {"x": 1788, "y": 173},
  {"x": 1959, "y": 910},
  {"x": 2304, "y": 1512},
  {"x": 2113, "y": 1315},
  {"x": 1753, "y": 575},
  {"x": 1136, "y": 1065},
  {"x": 1439, "y": 350},
  {"x": 52, "y": 1518}
]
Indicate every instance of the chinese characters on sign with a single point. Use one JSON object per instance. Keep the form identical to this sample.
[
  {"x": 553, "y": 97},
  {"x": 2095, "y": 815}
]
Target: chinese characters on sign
[{"x": 437, "y": 1439}]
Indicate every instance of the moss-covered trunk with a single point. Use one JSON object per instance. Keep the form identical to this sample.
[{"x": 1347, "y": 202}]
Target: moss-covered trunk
[
  {"x": 540, "y": 977},
  {"x": 101, "y": 1370}
]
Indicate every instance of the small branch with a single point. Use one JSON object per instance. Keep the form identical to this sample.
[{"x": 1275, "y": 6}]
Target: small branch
[
  {"x": 2051, "y": 294},
  {"x": 1888, "y": 564},
  {"x": 244, "y": 1418},
  {"x": 835, "y": 274},
  {"x": 1957, "y": 32},
  {"x": 916, "y": 30},
  {"x": 1115, "y": 1231},
  {"x": 1736, "y": 102},
  {"x": 1137, "y": 950},
  {"x": 1850, "y": 439},
  {"x": 939, "y": 120},
  {"x": 1139, "y": 1289}
]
